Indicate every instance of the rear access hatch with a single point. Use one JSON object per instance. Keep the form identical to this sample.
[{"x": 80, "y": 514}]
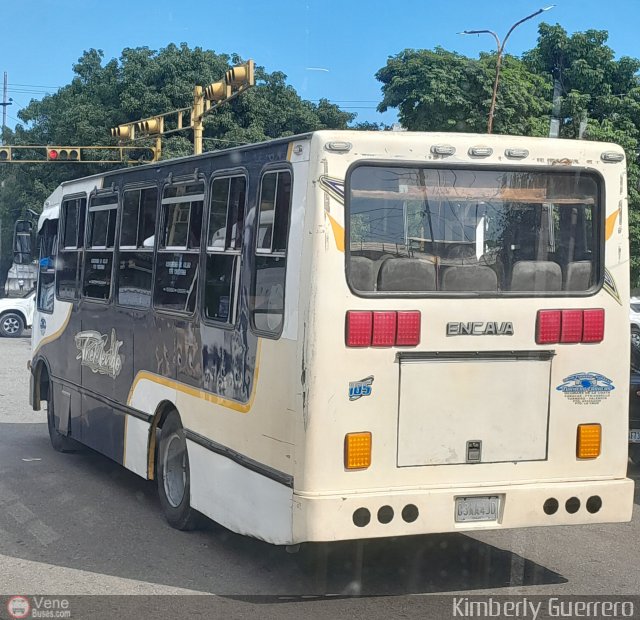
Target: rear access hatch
[{"x": 473, "y": 407}]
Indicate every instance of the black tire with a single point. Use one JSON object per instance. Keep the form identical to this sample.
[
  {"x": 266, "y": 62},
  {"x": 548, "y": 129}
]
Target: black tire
[
  {"x": 173, "y": 477},
  {"x": 11, "y": 325},
  {"x": 634, "y": 453},
  {"x": 60, "y": 443}
]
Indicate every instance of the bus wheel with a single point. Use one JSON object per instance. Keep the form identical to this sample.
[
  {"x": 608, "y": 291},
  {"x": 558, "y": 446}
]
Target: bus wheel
[
  {"x": 60, "y": 443},
  {"x": 634, "y": 453},
  {"x": 173, "y": 476},
  {"x": 11, "y": 325}
]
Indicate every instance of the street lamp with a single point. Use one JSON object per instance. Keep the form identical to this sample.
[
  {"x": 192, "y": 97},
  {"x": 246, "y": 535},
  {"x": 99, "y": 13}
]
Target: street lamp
[{"x": 499, "y": 57}]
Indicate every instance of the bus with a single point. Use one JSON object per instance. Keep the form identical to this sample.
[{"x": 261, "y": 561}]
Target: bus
[{"x": 345, "y": 335}]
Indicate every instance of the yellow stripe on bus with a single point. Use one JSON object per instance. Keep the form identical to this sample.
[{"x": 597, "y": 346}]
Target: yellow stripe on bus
[
  {"x": 338, "y": 233},
  {"x": 197, "y": 393},
  {"x": 610, "y": 224}
]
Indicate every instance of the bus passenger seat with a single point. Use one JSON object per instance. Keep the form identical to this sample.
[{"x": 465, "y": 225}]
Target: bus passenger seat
[
  {"x": 407, "y": 274},
  {"x": 362, "y": 273},
  {"x": 536, "y": 275},
  {"x": 578, "y": 276},
  {"x": 469, "y": 278}
]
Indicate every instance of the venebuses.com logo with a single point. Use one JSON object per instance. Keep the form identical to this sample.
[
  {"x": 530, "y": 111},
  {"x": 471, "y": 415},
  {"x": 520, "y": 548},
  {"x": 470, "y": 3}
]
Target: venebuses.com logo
[{"x": 18, "y": 607}]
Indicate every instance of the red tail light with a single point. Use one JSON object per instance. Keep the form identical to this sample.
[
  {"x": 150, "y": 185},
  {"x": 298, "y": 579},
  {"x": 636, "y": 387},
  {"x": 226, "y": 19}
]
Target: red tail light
[
  {"x": 358, "y": 329},
  {"x": 593, "y": 329},
  {"x": 569, "y": 326},
  {"x": 571, "y": 330},
  {"x": 384, "y": 329},
  {"x": 408, "y": 334},
  {"x": 548, "y": 326}
]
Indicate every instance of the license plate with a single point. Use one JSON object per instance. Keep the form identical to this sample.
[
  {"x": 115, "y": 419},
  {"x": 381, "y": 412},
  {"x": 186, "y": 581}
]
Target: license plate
[
  {"x": 634, "y": 436},
  {"x": 478, "y": 508}
]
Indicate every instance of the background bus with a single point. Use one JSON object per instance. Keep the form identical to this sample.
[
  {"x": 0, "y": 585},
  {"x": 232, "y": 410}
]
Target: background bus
[{"x": 347, "y": 334}]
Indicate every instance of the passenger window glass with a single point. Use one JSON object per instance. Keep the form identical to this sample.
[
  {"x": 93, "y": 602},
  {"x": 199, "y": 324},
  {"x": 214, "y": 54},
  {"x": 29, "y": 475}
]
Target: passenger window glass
[
  {"x": 226, "y": 221},
  {"x": 135, "y": 266},
  {"x": 68, "y": 263},
  {"x": 267, "y": 299},
  {"x": 103, "y": 209},
  {"x": 182, "y": 216},
  {"x": 70, "y": 236},
  {"x": 177, "y": 258},
  {"x": 418, "y": 230}
]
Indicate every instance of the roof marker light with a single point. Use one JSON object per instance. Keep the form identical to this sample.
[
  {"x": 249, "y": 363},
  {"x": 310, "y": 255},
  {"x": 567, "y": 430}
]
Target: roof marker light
[
  {"x": 480, "y": 151},
  {"x": 516, "y": 153},
  {"x": 339, "y": 147},
  {"x": 443, "y": 149},
  {"x": 611, "y": 156}
]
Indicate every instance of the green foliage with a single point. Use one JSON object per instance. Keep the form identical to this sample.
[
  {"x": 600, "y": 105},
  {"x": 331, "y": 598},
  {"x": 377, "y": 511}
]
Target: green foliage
[
  {"x": 438, "y": 90},
  {"x": 142, "y": 83},
  {"x": 445, "y": 91}
]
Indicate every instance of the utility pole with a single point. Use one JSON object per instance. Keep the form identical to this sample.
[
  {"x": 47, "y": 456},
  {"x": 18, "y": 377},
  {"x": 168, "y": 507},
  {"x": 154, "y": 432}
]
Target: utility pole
[
  {"x": 500, "y": 48},
  {"x": 5, "y": 103}
]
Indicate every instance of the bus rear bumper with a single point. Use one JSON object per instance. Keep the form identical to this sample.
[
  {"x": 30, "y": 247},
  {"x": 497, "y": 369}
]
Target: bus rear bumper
[{"x": 334, "y": 517}]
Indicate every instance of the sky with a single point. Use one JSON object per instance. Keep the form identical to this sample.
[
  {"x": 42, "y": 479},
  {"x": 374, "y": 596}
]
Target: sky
[{"x": 327, "y": 48}]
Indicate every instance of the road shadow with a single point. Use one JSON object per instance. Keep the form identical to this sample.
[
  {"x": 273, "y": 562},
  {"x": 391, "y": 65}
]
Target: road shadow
[{"x": 85, "y": 512}]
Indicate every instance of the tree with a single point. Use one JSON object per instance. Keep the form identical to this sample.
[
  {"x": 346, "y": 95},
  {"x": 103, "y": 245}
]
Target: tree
[{"x": 438, "y": 90}]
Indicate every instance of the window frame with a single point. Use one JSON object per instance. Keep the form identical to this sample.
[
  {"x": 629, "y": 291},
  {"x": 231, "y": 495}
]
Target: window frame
[
  {"x": 79, "y": 250},
  {"x": 599, "y": 249},
  {"x": 281, "y": 166},
  {"x": 158, "y": 249},
  {"x": 152, "y": 250},
  {"x": 85, "y": 250},
  {"x": 209, "y": 250}
]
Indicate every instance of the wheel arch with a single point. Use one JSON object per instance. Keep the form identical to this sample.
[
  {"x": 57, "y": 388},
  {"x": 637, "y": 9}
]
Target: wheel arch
[{"x": 41, "y": 382}]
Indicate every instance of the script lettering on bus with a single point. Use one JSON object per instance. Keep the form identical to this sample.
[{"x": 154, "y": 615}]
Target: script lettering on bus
[
  {"x": 478, "y": 328},
  {"x": 94, "y": 354}
]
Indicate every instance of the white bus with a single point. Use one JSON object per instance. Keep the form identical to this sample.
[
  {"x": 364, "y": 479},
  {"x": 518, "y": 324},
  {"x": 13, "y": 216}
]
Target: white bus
[{"x": 347, "y": 335}]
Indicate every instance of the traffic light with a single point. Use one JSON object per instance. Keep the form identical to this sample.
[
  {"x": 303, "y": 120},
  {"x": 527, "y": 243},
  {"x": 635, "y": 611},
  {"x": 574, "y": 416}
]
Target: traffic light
[
  {"x": 152, "y": 125},
  {"x": 5, "y": 154},
  {"x": 123, "y": 132},
  {"x": 142, "y": 154},
  {"x": 218, "y": 91},
  {"x": 242, "y": 76},
  {"x": 63, "y": 154}
]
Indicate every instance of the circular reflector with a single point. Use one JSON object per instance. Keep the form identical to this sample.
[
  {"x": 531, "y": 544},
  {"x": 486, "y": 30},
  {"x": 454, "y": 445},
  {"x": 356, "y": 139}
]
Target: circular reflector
[
  {"x": 53, "y": 154},
  {"x": 4, "y": 154},
  {"x": 73, "y": 154}
]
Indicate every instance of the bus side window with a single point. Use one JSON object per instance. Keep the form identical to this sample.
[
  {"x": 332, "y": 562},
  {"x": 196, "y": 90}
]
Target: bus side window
[
  {"x": 67, "y": 263},
  {"x": 224, "y": 243},
  {"x": 270, "y": 261},
  {"x": 178, "y": 249},
  {"x": 137, "y": 232},
  {"x": 101, "y": 229}
]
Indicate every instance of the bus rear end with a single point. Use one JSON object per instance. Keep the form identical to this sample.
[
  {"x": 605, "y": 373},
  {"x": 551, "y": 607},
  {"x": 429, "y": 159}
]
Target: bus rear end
[{"x": 466, "y": 350}]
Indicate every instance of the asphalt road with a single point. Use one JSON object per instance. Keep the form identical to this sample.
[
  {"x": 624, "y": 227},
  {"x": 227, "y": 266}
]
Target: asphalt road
[{"x": 74, "y": 524}]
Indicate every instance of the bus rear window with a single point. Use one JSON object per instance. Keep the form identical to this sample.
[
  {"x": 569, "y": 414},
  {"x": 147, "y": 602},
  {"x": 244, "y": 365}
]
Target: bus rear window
[{"x": 428, "y": 230}]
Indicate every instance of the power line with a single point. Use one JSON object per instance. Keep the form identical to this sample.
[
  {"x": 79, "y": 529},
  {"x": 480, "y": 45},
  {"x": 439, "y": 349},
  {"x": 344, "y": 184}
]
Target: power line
[{"x": 35, "y": 85}]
